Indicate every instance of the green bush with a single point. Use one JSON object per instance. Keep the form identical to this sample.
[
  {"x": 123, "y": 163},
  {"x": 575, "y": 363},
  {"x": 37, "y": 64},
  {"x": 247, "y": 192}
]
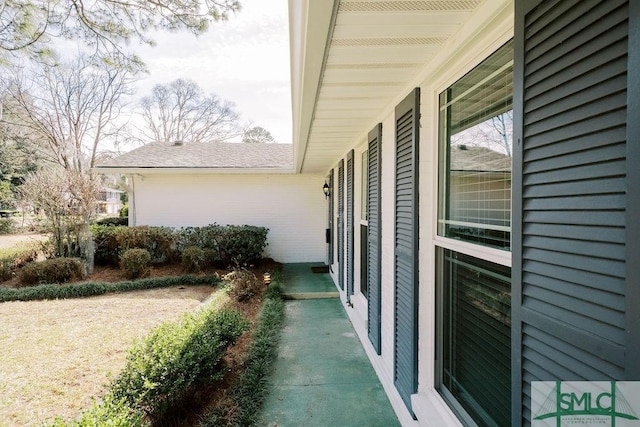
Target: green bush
[
  {"x": 113, "y": 221},
  {"x": 231, "y": 245},
  {"x": 87, "y": 289},
  {"x": 242, "y": 244},
  {"x": 194, "y": 259},
  {"x": 112, "y": 241},
  {"x": 176, "y": 357},
  {"x": 109, "y": 412},
  {"x": 55, "y": 270},
  {"x": 124, "y": 211},
  {"x": 12, "y": 259},
  {"x": 248, "y": 394},
  {"x": 6, "y": 226},
  {"x": 135, "y": 263}
]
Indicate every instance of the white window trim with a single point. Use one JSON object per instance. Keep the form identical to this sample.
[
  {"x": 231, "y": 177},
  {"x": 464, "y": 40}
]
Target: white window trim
[{"x": 428, "y": 402}]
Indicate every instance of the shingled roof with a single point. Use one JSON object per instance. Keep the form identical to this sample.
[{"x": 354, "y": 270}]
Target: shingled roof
[
  {"x": 478, "y": 159},
  {"x": 214, "y": 155}
]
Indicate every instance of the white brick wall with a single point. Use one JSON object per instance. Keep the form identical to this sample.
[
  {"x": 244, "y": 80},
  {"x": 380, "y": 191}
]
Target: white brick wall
[{"x": 293, "y": 207}]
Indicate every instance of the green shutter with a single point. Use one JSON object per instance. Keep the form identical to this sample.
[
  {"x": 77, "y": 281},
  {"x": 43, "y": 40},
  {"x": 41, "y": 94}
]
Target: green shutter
[
  {"x": 374, "y": 241},
  {"x": 350, "y": 244},
  {"x": 406, "y": 247}
]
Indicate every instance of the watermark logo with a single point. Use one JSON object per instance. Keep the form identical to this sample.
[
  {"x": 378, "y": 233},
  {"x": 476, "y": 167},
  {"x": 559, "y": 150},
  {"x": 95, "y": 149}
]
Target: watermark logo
[{"x": 585, "y": 403}]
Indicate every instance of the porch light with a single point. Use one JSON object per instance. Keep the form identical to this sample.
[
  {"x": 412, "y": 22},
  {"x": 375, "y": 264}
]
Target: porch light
[{"x": 325, "y": 190}]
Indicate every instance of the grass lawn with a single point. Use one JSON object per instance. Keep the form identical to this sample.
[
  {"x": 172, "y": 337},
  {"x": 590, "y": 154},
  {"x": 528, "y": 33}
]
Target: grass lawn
[{"x": 56, "y": 355}]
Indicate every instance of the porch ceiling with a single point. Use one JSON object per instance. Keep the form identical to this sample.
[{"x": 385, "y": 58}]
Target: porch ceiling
[{"x": 351, "y": 59}]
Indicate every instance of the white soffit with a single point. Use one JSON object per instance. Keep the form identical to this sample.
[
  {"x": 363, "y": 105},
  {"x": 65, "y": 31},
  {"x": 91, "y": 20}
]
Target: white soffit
[{"x": 376, "y": 49}]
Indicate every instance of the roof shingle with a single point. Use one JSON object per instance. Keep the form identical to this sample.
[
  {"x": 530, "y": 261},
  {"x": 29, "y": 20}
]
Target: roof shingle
[{"x": 222, "y": 155}]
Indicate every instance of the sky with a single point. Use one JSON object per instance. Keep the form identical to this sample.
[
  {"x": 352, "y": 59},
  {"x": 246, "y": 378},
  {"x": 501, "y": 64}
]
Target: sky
[{"x": 244, "y": 60}]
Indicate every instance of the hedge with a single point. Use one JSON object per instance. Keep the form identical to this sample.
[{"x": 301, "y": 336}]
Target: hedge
[
  {"x": 12, "y": 259},
  {"x": 175, "y": 357},
  {"x": 248, "y": 394},
  {"x": 54, "y": 270},
  {"x": 228, "y": 245},
  {"x": 112, "y": 241},
  {"x": 87, "y": 289},
  {"x": 162, "y": 369},
  {"x": 231, "y": 245}
]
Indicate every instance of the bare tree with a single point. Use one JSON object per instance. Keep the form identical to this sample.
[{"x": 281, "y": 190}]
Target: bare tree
[
  {"x": 68, "y": 199},
  {"x": 72, "y": 108},
  {"x": 257, "y": 134},
  {"x": 181, "y": 111},
  {"x": 105, "y": 25},
  {"x": 495, "y": 133}
]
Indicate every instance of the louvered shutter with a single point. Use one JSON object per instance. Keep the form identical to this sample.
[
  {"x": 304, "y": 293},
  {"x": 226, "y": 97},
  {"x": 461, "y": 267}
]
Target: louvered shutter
[
  {"x": 341, "y": 224},
  {"x": 331, "y": 225},
  {"x": 569, "y": 249},
  {"x": 331, "y": 220},
  {"x": 374, "y": 241},
  {"x": 406, "y": 246},
  {"x": 350, "y": 244}
]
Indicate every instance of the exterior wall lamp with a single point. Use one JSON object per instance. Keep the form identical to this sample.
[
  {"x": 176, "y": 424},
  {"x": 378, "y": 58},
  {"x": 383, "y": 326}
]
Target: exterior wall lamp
[{"x": 325, "y": 190}]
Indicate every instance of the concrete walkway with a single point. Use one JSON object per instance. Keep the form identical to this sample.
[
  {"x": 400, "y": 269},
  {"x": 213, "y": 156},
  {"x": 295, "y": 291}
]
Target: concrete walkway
[{"x": 322, "y": 376}]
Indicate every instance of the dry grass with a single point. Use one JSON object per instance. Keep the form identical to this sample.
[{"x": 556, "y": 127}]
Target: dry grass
[{"x": 56, "y": 355}]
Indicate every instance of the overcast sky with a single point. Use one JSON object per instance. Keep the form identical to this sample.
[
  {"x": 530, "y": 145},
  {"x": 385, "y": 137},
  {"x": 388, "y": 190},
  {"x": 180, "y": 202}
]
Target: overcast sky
[{"x": 244, "y": 60}]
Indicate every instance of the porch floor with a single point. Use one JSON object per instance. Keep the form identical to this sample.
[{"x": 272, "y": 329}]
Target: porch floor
[{"x": 322, "y": 375}]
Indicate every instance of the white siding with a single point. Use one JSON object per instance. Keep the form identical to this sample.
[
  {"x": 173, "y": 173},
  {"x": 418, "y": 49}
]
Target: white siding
[{"x": 293, "y": 207}]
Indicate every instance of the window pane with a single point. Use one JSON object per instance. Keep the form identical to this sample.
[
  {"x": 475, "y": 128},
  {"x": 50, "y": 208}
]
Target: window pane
[
  {"x": 476, "y": 121},
  {"x": 476, "y": 342}
]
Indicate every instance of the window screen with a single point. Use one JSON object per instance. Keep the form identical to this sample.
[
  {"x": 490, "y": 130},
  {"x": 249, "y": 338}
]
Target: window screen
[{"x": 476, "y": 121}]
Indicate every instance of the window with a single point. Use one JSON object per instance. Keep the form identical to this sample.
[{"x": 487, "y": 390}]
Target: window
[
  {"x": 364, "y": 217},
  {"x": 474, "y": 206},
  {"x": 476, "y": 344},
  {"x": 475, "y": 154}
]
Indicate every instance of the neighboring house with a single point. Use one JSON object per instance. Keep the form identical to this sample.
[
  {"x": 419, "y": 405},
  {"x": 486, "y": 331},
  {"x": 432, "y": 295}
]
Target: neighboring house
[
  {"x": 109, "y": 201},
  {"x": 181, "y": 184},
  {"x": 469, "y": 274}
]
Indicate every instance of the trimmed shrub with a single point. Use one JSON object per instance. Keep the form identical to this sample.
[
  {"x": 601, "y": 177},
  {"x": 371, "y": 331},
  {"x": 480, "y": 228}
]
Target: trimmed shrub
[
  {"x": 109, "y": 412},
  {"x": 194, "y": 259},
  {"x": 11, "y": 260},
  {"x": 230, "y": 245},
  {"x": 135, "y": 263},
  {"x": 242, "y": 244},
  {"x": 88, "y": 289},
  {"x": 112, "y": 241},
  {"x": 124, "y": 211},
  {"x": 114, "y": 221},
  {"x": 248, "y": 394},
  {"x": 175, "y": 357},
  {"x": 6, "y": 226},
  {"x": 55, "y": 270}
]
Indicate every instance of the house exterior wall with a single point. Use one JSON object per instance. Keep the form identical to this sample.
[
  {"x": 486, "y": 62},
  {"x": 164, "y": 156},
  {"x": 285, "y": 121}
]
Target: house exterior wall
[
  {"x": 547, "y": 343},
  {"x": 428, "y": 407},
  {"x": 291, "y": 206}
]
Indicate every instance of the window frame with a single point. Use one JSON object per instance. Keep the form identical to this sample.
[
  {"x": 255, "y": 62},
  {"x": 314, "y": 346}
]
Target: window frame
[{"x": 441, "y": 243}]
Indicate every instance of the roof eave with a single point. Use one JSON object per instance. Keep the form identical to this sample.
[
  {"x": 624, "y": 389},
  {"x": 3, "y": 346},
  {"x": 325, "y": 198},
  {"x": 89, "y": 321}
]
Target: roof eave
[{"x": 310, "y": 28}]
